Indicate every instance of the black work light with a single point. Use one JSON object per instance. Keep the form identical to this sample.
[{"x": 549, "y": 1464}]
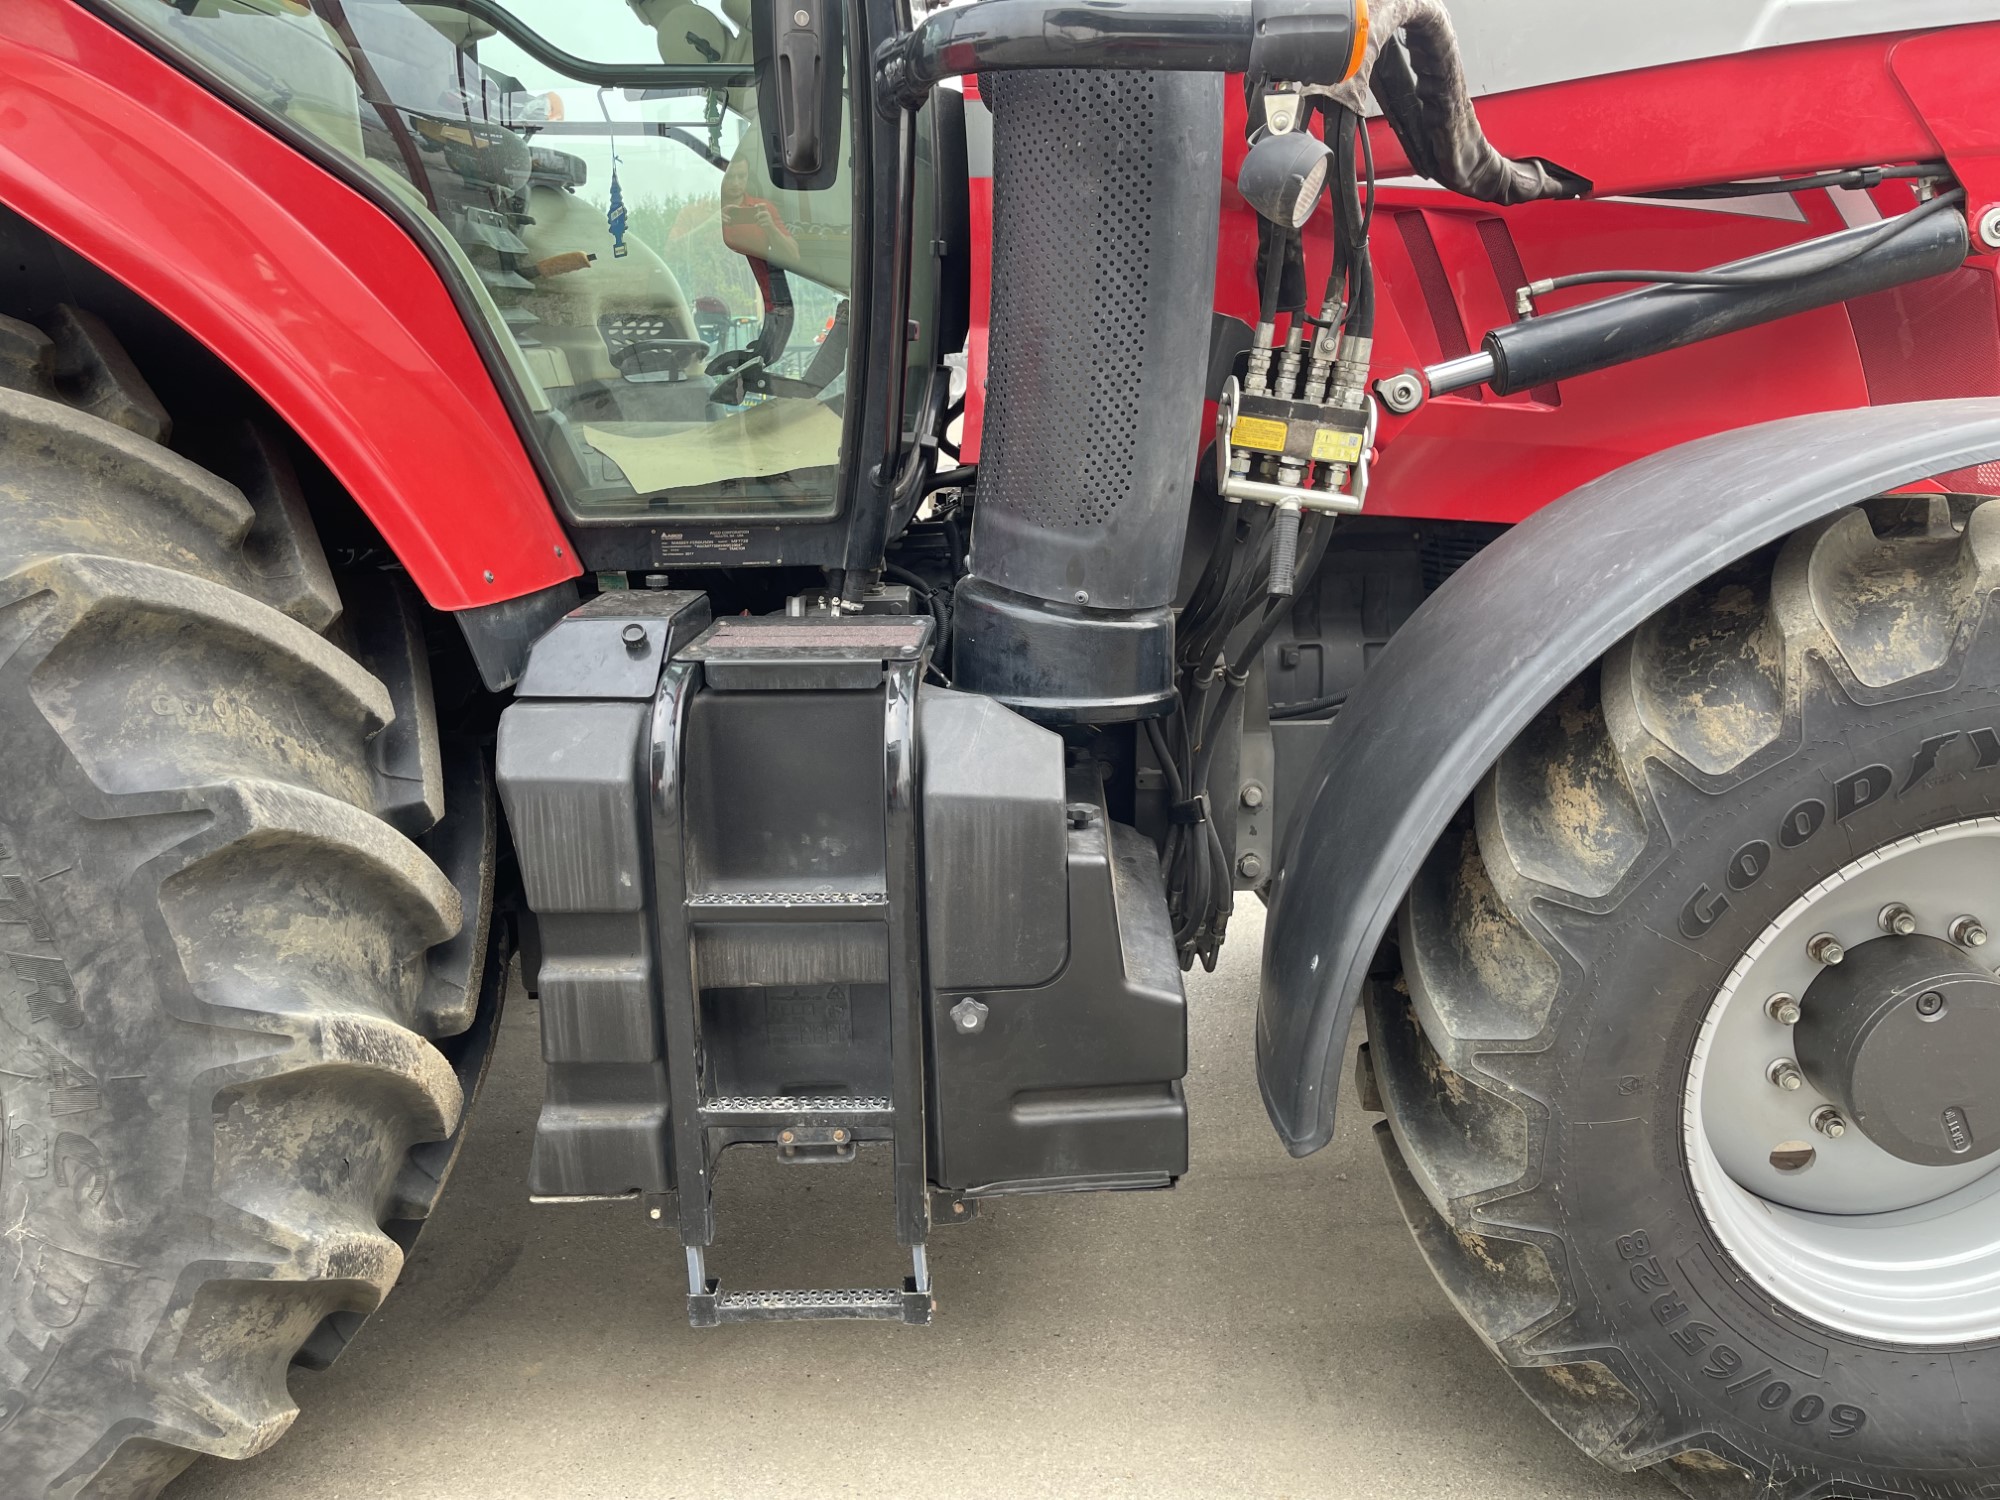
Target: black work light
[{"x": 1283, "y": 176}]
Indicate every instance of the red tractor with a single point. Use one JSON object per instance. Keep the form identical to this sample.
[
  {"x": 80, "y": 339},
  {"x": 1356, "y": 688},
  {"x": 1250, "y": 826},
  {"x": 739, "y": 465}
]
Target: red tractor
[{"x": 491, "y": 478}]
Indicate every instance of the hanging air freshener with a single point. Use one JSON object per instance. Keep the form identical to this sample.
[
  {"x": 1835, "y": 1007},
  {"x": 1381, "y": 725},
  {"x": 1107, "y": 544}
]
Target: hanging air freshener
[{"x": 614, "y": 216}]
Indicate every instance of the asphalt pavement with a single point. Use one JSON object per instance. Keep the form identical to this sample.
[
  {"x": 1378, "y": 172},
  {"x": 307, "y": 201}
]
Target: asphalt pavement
[{"x": 1265, "y": 1329}]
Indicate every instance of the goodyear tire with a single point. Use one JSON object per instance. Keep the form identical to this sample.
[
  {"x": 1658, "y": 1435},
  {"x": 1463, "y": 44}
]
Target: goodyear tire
[
  {"x": 221, "y": 966},
  {"x": 1796, "y": 724}
]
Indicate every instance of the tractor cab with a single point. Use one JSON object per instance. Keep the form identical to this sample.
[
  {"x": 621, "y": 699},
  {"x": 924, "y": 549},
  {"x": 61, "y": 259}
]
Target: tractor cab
[{"x": 662, "y": 272}]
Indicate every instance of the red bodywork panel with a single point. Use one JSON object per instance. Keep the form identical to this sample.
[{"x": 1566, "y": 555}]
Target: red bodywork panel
[
  {"x": 1447, "y": 266},
  {"x": 312, "y": 294},
  {"x": 333, "y": 313}
]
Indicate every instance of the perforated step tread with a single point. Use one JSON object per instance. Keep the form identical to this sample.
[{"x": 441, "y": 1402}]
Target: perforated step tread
[
  {"x": 811, "y": 1304},
  {"x": 788, "y": 1107},
  {"x": 789, "y": 906}
]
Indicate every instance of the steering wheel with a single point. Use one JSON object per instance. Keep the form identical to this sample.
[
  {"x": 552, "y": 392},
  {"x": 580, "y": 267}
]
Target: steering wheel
[{"x": 736, "y": 373}]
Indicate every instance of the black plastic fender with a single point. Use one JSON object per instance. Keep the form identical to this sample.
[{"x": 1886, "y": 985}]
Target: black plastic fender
[{"x": 1488, "y": 651}]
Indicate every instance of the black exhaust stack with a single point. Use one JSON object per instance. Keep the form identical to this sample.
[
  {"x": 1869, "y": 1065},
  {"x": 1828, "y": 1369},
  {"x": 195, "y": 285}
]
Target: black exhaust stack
[
  {"x": 1107, "y": 181},
  {"x": 1106, "y": 204}
]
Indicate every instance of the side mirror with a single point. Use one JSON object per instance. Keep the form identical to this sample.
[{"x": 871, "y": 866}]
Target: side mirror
[{"x": 799, "y": 95}]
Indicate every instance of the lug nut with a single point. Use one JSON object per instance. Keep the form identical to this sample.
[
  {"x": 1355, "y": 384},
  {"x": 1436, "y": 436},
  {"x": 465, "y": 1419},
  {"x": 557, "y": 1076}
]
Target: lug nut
[
  {"x": 1827, "y": 1121},
  {"x": 1825, "y": 948},
  {"x": 1784, "y": 1009},
  {"x": 1968, "y": 932},
  {"x": 1786, "y": 1075},
  {"x": 1898, "y": 920},
  {"x": 1930, "y": 1005}
]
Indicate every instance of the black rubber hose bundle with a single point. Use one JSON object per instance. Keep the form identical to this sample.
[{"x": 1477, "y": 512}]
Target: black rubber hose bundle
[{"x": 1414, "y": 71}]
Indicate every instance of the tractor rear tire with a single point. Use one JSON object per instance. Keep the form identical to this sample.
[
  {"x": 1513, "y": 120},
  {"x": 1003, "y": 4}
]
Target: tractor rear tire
[
  {"x": 220, "y": 968},
  {"x": 1802, "y": 720}
]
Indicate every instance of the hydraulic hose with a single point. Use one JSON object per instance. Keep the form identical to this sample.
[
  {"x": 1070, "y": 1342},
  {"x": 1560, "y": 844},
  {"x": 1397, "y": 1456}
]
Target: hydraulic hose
[
  {"x": 1835, "y": 254},
  {"x": 1777, "y": 284},
  {"x": 1414, "y": 72}
]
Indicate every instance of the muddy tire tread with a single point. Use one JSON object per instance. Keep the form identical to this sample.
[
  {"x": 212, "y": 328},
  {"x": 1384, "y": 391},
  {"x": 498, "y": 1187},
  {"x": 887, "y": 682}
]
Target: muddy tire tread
[
  {"x": 1465, "y": 1044},
  {"x": 284, "y": 940}
]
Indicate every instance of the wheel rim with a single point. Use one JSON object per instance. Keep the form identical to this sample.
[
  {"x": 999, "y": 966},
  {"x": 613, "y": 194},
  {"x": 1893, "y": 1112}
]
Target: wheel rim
[{"x": 1856, "y": 1238}]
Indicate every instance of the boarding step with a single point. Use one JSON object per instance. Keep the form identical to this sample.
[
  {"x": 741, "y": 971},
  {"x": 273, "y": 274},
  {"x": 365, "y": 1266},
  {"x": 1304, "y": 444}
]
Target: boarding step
[
  {"x": 798, "y": 1109},
  {"x": 786, "y": 867},
  {"x": 710, "y": 1307},
  {"x": 882, "y": 1304},
  {"x": 788, "y": 906},
  {"x": 806, "y": 1128}
]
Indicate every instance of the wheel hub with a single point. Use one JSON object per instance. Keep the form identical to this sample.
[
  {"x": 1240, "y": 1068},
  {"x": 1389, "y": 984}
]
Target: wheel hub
[
  {"x": 1842, "y": 1107},
  {"x": 1903, "y": 1036}
]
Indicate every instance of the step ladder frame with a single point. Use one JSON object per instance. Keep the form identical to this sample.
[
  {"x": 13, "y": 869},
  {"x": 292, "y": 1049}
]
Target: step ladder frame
[{"x": 702, "y": 1127}]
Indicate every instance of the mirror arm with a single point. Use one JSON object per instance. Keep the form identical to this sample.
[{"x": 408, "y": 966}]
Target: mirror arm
[{"x": 598, "y": 74}]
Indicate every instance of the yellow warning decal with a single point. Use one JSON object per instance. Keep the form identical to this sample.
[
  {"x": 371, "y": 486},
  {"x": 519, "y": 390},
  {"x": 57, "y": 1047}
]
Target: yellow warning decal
[
  {"x": 1261, "y": 433},
  {"x": 1332, "y": 446}
]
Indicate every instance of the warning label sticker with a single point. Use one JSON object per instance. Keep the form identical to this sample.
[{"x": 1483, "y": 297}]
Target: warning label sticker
[
  {"x": 1261, "y": 433},
  {"x": 1332, "y": 446}
]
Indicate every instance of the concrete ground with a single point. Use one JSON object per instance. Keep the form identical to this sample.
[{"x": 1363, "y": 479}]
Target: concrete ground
[{"x": 1265, "y": 1329}]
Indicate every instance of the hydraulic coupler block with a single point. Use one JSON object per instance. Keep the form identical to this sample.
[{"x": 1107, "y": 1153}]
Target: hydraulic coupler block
[{"x": 1301, "y": 432}]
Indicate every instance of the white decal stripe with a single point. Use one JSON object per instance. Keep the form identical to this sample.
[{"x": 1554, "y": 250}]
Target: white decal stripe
[
  {"x": 1753, "y": 205},
  {"x": 1856, "y": 207}
]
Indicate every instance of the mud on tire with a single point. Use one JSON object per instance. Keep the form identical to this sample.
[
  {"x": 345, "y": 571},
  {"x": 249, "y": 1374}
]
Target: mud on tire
[
  {"x": 221, "y": 966},
  {"x": 1559, "y": 953}
]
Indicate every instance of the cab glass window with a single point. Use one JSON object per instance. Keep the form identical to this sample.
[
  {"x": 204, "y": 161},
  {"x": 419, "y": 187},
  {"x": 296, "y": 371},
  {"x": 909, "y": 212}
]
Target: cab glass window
[{"x": 676, "y": 321}]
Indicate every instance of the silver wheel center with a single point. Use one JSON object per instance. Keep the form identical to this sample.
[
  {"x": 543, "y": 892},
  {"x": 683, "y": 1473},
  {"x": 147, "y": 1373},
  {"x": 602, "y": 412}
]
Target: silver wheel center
[{"x": 1820, "y": 1215}]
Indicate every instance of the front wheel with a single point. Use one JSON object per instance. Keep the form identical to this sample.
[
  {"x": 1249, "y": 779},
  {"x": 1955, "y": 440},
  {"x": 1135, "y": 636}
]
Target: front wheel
[
  {"x": 1693, "y": 1074},
  {"x": 224, "y": 972}
]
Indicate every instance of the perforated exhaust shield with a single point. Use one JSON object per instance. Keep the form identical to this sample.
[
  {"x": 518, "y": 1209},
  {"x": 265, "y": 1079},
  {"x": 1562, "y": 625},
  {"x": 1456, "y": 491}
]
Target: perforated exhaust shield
[
  {"x": 1106, "y": 198},
  {"x": 1106, "y": 194}
]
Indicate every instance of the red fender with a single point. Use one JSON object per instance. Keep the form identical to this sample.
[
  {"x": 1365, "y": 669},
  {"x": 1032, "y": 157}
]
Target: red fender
[{"x": 319, "y": 300}]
